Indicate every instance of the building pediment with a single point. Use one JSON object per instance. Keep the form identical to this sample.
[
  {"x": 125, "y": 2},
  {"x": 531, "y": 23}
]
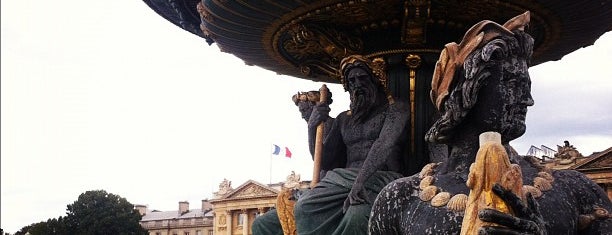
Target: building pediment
[
  {"x": 598, "y": 160},
  {"x": 251, "y": 189}
]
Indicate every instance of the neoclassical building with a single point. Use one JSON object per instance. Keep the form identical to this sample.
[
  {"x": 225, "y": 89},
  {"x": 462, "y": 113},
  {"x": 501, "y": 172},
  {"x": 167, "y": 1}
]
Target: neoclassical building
[
  {"x": 597, "y": 166},
  {"x": 230, "y": 212},
  {"x": 235, "y": 209},
  {"x": 184, "y": 221}
]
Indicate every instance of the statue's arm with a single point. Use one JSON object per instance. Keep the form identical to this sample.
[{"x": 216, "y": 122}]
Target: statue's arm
[
  {"x": 312, "y": 133},
  {"x": 319, "y": 114},
  {"x": 334, "y": 149}
]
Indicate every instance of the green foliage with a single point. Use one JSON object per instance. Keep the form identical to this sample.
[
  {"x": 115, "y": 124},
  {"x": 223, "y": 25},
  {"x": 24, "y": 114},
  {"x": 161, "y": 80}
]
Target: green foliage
[
  {"x": 99, "y": 212},
  {"x": 51, "y": 227},
  {"x": 94, "y": 213}
]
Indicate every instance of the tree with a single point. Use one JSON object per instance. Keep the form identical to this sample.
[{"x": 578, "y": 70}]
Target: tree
[
  {"x": 99, "y": 212},
  {"x": 50, "y": 227},
  {"x": 95, "y": 212}
]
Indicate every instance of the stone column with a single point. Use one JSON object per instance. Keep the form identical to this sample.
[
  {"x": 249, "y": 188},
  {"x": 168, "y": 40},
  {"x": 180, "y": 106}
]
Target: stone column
[
  {"x": 245, "y": 222},
  {"x": 228, "y": 213}
]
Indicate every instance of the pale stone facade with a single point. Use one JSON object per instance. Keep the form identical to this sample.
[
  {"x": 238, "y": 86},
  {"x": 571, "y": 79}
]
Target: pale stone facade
[
  {"x": 597, "y": 166},
  {"x": 185, "y": 221},
  {"x": 230, "y": 212},
  {"x": 235, "y": 209}
]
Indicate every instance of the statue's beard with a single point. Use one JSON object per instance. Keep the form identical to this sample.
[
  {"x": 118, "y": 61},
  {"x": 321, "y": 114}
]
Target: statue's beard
[
  {"x": 362, "y": 102},
  {"x": 513, "y": 123}
]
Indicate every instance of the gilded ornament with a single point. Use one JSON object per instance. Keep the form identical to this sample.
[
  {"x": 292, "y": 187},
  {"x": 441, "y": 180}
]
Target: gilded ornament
[
  {"x": 585, "y": 220},
  {"x": 427, "y": 170},
  {"x": 457, "y": 203},
  {"x": 428, "y": 193},
  {"x": 491, "y": 166},
  {"x": 440, "y": 199},
  {"x": 284, "y": 208},
  {"x": 535, "y": 192},
  {"x": 513, "y": 179},
  {"x": 546, "y": 176},
  {"x": 427, "y": 181},
  {"x": 542, "y": 184}
]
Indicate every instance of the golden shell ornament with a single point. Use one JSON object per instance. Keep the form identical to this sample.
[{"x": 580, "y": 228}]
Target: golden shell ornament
[
  {"x": 546, "y": 176},
  {"x": 542, "y": 184},
  {"x": 457, "y": 203},
  {"x": 427, "y": 170},
  {"x": 427, "y": 181},
  {"x": 440, "y": 199},
  {"x": 428, "y": 193},
  {"x": 535, "y": 192}
]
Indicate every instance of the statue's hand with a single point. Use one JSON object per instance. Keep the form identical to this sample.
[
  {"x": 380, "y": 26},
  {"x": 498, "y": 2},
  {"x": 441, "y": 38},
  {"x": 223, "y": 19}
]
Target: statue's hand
[
  {"x": 357, "y": 196},
  {"x": 329, "y": 99},
  {"x": 528, "y": 219},
  {"x": 320, "y": 113}
]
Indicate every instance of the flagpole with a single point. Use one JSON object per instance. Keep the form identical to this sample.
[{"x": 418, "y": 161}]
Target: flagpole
[{"x": 270, "y": 179}]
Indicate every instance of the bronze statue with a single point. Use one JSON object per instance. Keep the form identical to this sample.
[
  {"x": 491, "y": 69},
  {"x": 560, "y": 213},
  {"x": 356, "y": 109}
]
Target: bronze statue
[
  {"x": 306, "y": 101},
  {"x": 361, "y": 154},
  {"x": 481, "y": 85}
]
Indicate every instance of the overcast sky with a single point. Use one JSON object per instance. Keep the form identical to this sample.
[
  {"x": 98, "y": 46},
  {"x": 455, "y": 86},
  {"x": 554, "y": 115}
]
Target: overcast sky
[{"x": 109, "y": 95}]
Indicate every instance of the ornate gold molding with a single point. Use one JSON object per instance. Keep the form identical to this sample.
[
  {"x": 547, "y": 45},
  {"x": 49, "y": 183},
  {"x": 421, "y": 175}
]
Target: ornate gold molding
[
  {"x": 307, "y": 40},
  {"x": 415, "y": 18},
  {"x": 413, "y": 62}
]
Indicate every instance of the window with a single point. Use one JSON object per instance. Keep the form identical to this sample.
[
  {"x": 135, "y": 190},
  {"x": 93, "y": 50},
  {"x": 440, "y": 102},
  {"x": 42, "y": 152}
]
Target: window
[
  {"x": 241, "y": 219},
  {"x": 210, "y": 232},
  {"x": 198, "y": 232},
  {"x": 186, "y": 233}
]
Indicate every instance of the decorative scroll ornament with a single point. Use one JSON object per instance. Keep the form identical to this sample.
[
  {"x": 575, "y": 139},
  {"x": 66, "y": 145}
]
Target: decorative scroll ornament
[
  {"x": 315, "y": 47},
  {"x": 414, "y": 25}
]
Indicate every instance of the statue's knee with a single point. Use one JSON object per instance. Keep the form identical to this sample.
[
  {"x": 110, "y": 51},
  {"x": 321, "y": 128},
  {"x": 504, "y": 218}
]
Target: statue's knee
[
  {"x": 358, "y": 214},
  {"x": 298, "y": 209},
  {"x": 257, "y": 222}
]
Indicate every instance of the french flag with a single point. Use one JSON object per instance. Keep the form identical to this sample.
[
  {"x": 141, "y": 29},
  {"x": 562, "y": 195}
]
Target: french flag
[{"x": 279, "y": 151}]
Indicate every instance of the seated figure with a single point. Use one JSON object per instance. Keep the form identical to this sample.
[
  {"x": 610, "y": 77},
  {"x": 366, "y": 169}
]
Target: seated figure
[
  {"x": 280, "y": 220},
  {"x": 482, "y": 85},
  {"x": 361, "y": 154}
]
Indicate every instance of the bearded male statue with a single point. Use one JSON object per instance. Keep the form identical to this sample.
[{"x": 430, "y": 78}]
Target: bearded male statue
[{"x": 361, "y": 154}]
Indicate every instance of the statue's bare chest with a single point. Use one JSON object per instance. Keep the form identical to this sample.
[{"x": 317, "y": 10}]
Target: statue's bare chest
[{"x": 365, "y": 132}]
